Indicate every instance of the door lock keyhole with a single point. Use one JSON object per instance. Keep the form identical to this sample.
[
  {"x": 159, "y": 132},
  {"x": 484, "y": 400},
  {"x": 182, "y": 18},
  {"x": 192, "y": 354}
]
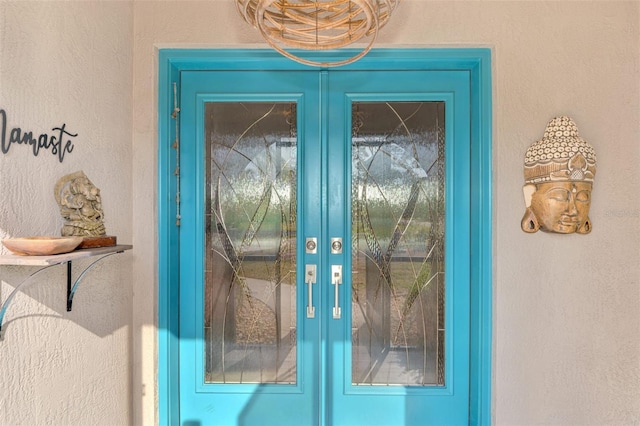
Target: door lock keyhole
[
  {"x": 336, "y": 245},
  {"x": 311, "y": 245}
]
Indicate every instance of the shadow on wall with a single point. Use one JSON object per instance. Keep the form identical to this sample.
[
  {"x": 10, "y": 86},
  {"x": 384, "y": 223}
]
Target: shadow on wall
[{"x": 101, "y": 303}]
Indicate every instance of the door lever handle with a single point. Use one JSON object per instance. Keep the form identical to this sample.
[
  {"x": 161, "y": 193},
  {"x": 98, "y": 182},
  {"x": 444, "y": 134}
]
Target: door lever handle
[
  {"x": 310, "y": 279},
  {"x": 336, "y": 280}
]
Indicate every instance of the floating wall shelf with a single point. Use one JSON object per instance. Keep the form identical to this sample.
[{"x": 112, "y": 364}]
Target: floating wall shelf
[{"x": 53, "y": 260}]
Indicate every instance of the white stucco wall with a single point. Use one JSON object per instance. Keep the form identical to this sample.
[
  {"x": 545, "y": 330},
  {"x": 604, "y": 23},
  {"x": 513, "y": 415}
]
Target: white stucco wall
[
  {"x": 566, "y": 311},
  {"x": 67, "y": 62}
]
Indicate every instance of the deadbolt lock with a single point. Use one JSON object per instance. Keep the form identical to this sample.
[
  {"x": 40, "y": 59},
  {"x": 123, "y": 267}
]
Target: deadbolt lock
[
  {"x": 336, "y": 245},
  {"x": 311, "y": 245}
]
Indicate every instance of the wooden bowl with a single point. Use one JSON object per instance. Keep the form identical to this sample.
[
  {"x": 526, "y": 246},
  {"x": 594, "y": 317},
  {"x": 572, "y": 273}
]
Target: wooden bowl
[{"x": 42, "y": 246}]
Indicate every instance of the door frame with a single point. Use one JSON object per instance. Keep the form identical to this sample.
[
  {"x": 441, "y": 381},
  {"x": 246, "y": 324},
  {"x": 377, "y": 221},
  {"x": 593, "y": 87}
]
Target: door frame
[{"x": 475, "y": 61}]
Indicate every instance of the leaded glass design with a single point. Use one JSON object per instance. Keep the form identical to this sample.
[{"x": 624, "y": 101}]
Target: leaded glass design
[
  {"x": 398, "y": 243},
  {"x": 250, "y": 213}
]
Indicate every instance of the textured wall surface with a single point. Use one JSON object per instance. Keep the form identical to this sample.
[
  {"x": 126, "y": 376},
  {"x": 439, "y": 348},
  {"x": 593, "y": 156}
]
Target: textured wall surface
[
  {"x": 566, "y": 311},
  {"x": 66, "y": 63}
]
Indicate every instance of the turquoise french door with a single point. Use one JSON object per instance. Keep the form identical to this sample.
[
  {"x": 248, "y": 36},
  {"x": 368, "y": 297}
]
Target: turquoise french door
[{"x": 324, "y": 248}]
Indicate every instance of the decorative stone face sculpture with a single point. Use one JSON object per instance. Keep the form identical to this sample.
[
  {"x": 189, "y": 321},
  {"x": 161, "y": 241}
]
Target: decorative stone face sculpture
[
  {"x": 80, "y": 206},
  {"x": 559, "y": 171}
]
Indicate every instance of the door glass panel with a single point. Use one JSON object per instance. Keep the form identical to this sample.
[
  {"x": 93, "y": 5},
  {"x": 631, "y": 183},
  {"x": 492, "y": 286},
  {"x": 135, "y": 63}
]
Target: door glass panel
[
  {"x": 250, "y": 214},
  {"x": 398, "y": 243}
]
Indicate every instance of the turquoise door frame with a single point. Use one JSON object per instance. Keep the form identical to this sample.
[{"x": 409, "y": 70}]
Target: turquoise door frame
[{"x": 475, "y": 62}]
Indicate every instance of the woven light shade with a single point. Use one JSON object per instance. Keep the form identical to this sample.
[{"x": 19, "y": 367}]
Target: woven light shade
[{"x": 317, "y": 25}]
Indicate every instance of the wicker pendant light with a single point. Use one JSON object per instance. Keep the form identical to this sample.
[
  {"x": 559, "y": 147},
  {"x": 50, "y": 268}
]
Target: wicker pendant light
[{"x": 317, "y": 25}]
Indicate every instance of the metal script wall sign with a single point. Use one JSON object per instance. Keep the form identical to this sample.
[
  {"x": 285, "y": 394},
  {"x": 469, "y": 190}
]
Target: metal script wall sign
[{"x": 53, "y": 142}]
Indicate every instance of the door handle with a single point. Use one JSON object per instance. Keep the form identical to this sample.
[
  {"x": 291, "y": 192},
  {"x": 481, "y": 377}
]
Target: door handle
[
  {"x": 310, "y": 279},
  {"x": 336, "y": 280}
]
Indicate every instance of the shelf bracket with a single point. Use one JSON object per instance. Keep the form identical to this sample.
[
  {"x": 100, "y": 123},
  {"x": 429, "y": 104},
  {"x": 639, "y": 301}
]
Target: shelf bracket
[
  {"x": 71, "y": 291},
  {"x": 24, "y": 282},
  {"x": 71, "y": 288}
]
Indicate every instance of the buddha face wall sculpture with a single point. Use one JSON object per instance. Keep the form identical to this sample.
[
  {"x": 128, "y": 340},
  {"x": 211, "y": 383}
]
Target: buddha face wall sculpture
[{"x": 559, "y": 171}]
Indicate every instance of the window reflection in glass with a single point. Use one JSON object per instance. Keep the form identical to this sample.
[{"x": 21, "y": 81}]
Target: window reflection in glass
[
  {"x": 250, "y": 292},
  {"x": 398, "y": 243}
]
